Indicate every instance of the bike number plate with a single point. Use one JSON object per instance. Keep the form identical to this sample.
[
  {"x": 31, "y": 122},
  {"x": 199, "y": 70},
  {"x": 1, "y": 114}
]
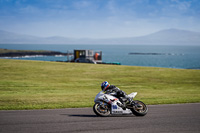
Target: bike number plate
[{"x": 116, "y": 109}]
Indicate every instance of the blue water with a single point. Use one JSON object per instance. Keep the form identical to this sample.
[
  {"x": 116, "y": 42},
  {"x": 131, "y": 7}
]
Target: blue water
[{"x": 187, "y": 57}]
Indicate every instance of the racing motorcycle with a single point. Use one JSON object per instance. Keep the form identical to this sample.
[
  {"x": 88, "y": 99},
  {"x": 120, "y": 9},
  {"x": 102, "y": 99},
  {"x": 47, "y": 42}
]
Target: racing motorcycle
[{"x": 107, "y": 105}]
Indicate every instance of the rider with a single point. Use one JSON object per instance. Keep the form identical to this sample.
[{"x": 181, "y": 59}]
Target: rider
[{"x": 115, "y": 91}]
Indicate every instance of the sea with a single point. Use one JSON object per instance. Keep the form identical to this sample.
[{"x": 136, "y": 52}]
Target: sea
[{"x": 168, "y": 56}]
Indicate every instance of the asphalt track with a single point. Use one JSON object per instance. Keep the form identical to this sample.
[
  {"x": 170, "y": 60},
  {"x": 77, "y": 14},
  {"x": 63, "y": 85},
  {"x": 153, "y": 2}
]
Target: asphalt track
[{"x": 175, "y": 118}]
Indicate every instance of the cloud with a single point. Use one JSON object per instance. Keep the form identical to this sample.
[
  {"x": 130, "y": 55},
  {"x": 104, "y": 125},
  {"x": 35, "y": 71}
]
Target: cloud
[
  {"x": 81, "y": 4},
  {"x": 181, "y": 5},
  {"x": 98, "y": 18},
  {"x": 111, "y": 7},
  {"x": 29, "y": 10}
]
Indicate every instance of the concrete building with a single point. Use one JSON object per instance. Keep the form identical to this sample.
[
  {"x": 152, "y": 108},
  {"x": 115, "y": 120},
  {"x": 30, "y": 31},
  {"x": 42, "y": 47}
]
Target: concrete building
[{"x": 88, "y": 56}]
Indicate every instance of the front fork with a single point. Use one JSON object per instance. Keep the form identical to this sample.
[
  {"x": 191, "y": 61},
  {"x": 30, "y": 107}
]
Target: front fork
[{"x": 103, "y": 106}]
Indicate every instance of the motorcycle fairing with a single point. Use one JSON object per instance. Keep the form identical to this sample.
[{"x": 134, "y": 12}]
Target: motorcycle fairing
[
  {"x": 115, "y": 109},
  {"x": 132, "y": 95}
]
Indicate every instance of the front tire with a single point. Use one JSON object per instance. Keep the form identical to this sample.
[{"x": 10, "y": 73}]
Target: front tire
[
  {"x": 101, "y": 110},
  {"x": 139, "y": 108}
]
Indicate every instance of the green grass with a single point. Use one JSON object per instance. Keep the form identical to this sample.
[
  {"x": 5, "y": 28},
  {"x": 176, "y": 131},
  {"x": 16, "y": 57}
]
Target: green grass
[{"x": 44, "y": 85}]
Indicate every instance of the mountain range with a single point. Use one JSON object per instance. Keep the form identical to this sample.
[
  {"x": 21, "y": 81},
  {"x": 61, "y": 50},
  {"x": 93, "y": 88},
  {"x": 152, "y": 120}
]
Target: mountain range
[{"x": 163, "y": 37}]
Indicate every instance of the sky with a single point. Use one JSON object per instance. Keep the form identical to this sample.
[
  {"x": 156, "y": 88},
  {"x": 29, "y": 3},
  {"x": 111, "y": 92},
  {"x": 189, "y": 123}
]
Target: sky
[{"x": 98, "y": 18}]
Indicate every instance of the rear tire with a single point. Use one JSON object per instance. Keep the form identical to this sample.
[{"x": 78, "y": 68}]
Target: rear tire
[
  {"x": 139, "y": 108},
  {"x": 99, "y": 111}
]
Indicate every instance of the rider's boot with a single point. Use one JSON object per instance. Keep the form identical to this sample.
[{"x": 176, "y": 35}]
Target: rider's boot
[
  {"x": 129, "y": 100},
  {"x": 122, "y": 106}
]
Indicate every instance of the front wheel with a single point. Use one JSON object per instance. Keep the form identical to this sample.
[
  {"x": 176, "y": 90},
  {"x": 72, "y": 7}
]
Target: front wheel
[
  {"x": 101, "y": 109},
  {"x": 139, "y": 108}
]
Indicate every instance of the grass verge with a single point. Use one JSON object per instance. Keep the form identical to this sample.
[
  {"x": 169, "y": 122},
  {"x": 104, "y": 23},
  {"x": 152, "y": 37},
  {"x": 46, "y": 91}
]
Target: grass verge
[{"x": 49, "y": 85}]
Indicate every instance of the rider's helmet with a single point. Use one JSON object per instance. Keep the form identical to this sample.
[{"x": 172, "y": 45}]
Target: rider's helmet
[{"x": 104, "y": 85}]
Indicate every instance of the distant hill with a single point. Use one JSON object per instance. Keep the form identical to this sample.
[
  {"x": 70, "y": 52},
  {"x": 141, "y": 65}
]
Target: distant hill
[
  {"x": 164, "y": 37},
  {"x": 14, "y": 38}
]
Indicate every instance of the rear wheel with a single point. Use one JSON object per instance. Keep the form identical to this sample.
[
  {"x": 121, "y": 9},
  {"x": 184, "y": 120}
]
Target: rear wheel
[
  {"x": 139, "y": 108},
  {"x": 101, "y": 109}
]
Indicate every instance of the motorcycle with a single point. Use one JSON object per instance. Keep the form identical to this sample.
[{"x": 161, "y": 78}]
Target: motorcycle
[{"x": 107, "y": 105}]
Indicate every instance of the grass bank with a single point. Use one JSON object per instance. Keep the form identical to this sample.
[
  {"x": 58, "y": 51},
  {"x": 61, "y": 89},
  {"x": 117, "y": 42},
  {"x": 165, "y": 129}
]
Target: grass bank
[
  {"x": 44, "y": 85},
  {"x": 15, "y": 53}
]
